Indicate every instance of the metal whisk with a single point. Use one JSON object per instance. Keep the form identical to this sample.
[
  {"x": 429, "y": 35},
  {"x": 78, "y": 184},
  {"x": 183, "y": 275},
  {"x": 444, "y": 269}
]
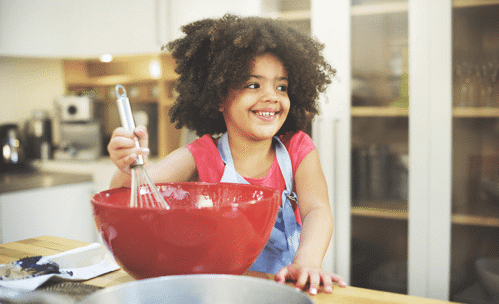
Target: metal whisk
[{"x": 144, "y": 193}]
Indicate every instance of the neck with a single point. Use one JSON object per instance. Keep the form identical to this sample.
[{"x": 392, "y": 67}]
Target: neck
[{"x": 251, "y": 158}]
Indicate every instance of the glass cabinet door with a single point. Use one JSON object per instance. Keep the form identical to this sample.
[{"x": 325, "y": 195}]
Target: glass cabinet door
[
  {"x": 379, "y": 144},
  {"x": 475, "y": 157}
]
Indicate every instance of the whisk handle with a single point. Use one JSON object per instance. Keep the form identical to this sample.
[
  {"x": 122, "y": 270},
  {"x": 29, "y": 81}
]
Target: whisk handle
[{"x": 126, "y": 117}]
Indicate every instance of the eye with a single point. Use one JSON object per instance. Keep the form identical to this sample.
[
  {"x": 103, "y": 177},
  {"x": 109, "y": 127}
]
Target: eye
[
  {"x": 253, "y": 86},
  {"x": 283, "y": 88}
]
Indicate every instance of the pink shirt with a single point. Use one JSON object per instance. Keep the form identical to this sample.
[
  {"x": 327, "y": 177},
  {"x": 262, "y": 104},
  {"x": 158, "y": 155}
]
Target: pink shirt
[{"x": 211, "y": 167}]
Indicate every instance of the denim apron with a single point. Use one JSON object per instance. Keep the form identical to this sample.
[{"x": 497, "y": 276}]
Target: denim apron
[{"x": 281, "y": 247}]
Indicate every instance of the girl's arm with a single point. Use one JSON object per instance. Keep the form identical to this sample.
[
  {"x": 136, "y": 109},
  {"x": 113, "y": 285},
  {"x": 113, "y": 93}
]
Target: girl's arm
[
  {"x": 317, "y": 228},
  {"x": 178, "y": 166}
]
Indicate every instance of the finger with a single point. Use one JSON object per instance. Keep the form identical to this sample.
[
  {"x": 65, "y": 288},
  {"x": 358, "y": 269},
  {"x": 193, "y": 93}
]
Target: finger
[
  {"x": 127, "y": 162},
  {"x": 302, "y": 280},
  {"x": 315, "y": 281},
  {"x": 121, "y": 139},
  {"x": 142, "y": 136},
  {"x": 122, "y": 132},
  {"x": 338, "y": 279},
  {"x": 327, "y": 281},
  {"x": 281, "y": 275}
]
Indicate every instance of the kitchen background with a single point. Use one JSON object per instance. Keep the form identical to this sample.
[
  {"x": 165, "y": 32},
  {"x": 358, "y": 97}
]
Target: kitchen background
[{"x": 410, "y": 216}]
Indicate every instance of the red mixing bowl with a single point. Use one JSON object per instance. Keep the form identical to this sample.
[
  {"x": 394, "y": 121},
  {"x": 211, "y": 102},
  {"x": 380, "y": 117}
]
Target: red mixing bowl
[{"x": 209, "y": 228}]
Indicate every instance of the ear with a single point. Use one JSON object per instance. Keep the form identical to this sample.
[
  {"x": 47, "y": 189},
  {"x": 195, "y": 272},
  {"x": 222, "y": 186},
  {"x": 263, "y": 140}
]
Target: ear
[{"x": 221, "y": 108}]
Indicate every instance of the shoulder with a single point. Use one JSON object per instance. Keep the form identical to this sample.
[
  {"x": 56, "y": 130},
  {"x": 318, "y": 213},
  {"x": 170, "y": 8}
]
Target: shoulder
[
  {"x": 296, "y": 139},
  {"x": 205, "y": 141},
  {"x": 299, "y": 145},
  {"x": 208, "y": 161}
]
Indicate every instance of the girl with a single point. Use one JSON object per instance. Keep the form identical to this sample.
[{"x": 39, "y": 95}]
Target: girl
[{"x": 254, "y": 80}]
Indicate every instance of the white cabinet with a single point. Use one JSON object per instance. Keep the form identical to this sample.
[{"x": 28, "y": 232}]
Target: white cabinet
[
  {"x": 35, "y": 28},
  {"x": 184, "y": 12},
  {"x": 56, "y": 28},
  {"x": 63, "y": 211},
  {"x": 117, "y": 27},
  {"x": 448, "y": 220},
  {"x": 391, "y": 54}
]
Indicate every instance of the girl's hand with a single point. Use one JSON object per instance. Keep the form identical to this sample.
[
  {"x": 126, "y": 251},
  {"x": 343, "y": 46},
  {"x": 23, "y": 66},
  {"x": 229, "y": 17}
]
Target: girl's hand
[
  {"x": 122, "y": 149},
  {"x": 314, "y": 276}
]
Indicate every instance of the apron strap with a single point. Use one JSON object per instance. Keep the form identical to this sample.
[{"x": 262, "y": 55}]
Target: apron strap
[
  {"x": 291, "y": 227},
  {"x": 231, "y": 175}
]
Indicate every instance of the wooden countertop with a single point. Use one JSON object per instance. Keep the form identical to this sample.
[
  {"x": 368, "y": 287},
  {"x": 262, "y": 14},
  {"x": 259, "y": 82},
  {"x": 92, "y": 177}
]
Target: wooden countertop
[{"x": 49, "y": 245}]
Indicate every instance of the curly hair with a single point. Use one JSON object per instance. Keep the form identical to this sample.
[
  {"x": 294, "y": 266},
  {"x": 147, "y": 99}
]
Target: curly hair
[{"x": 215, "y": 55}]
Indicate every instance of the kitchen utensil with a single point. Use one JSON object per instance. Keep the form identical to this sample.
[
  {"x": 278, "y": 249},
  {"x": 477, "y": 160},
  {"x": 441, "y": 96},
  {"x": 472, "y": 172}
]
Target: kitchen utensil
[
  {"x": 200, "y": 289},
  {"x": 12, "y": 156},
  {"x": 210, "y": 228},
  {"x": 144, "y": 193},
  {"x": 488, "y": 272},
  {"x": 39, "y": 135}
]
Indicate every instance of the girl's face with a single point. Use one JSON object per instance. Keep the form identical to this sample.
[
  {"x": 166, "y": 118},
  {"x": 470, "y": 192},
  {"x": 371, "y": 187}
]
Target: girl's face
[{"x": 259, "y": 108}]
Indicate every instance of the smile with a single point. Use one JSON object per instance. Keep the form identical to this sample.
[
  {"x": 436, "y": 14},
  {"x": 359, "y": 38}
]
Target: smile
[{"x": 265, "y": 114}]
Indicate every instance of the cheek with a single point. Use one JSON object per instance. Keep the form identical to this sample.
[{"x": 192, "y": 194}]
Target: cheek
[{"x": 287, "y": 106}]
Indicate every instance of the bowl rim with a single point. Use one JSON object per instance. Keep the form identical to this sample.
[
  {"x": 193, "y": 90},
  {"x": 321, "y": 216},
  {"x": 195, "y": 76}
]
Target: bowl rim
[
  {"x": 275, "y": 192},
  {"x": 219, "y": 277}
]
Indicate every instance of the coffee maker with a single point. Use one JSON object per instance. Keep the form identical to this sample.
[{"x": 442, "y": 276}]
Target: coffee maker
[
  {"x": 39, "y": 141},
  {"x": 80, "y": 134}
]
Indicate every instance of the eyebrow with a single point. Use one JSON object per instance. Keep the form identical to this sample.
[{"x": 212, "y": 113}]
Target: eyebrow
[{"x": 258, "y": 77}]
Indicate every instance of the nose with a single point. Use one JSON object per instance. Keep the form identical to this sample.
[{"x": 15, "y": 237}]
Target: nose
[{"x": 271, "y": 94}]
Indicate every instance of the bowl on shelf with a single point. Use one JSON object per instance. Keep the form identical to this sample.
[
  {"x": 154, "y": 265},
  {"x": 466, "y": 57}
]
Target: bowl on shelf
[
  {"x": 488, "y": 272},
  {"x": 209, "y": 228},
  {"x": 491, "y": 186}
]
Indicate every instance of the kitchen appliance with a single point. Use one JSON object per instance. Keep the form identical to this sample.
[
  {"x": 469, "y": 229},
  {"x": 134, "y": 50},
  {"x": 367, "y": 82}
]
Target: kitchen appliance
[
  {"x": 210, "y": 228},
  {"x": 80, "y": 134},
  {"x": 75, "y": 108},
  {"x": 12, "y": 148},
  {"x": 200, "y": 289},
  {"x": 79, "y": 141},
  {"x": 39, "y": 144}
]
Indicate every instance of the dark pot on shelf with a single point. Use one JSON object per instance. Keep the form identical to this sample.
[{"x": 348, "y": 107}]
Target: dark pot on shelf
[{"x": 12, "y": 148}]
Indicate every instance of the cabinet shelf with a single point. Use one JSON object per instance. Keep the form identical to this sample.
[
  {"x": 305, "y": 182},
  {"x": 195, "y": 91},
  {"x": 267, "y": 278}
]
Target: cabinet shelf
[
  {"x": 293, "y": 15},
  {"x": 137, "y": 71},
  {"x": 124, "y": 70},
  {"x": 469, "y": 3},
  {"x": 379, "y": 111},
  {"x": 476, "y": 112},
  {"x": 475, "y": 220},
  {"x": 396, "y": 210},
  {"x": 376, "y": 9},
  {"x": 400, "y": 112}
]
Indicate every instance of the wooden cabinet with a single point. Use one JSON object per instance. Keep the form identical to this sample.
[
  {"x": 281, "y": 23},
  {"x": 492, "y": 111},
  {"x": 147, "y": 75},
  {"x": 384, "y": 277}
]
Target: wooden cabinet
[{"x": 148, "y": 80}]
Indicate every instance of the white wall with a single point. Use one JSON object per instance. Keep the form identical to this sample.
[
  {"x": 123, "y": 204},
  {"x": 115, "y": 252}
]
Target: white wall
[{"x": 28, "y": 84}]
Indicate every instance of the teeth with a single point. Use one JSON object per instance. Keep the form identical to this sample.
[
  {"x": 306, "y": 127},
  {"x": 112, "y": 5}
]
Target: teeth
[{"x": 266, "y": 114}]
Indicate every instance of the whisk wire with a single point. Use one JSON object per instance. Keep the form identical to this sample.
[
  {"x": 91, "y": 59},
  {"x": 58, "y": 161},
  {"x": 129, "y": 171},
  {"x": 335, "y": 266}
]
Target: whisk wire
[{"x": 144, "y": 193}]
